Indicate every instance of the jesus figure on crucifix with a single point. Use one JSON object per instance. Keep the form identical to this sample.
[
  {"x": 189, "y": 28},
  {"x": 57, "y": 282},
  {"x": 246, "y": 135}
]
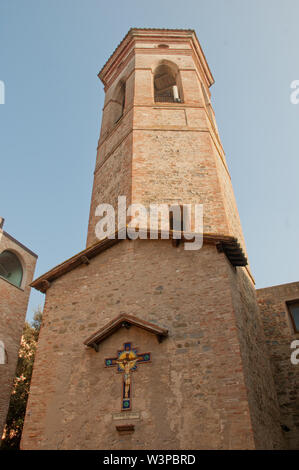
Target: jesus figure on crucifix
[{"x": 126, "y": 363}]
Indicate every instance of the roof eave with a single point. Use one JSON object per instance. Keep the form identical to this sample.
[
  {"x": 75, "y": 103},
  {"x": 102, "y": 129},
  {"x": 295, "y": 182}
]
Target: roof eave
[{"x": 83, "y": 257}]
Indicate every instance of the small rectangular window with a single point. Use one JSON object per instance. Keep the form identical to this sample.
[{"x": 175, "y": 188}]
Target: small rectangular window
[
  {"x": 176, "y": 221},
  {"x": 293, "y": 308}
]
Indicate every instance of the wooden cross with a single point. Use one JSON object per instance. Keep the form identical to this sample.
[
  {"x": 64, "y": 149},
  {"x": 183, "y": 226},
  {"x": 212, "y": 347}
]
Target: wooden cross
[{"x": 126, "y": 361}]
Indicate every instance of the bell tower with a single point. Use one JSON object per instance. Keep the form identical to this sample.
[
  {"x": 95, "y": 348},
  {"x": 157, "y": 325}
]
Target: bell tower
[
  {"x": 145, "y": 345},
  {"x": 159, "y": 141}
]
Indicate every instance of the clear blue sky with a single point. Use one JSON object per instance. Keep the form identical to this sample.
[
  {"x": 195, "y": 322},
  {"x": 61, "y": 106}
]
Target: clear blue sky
[{"x": 51, "y": 52}]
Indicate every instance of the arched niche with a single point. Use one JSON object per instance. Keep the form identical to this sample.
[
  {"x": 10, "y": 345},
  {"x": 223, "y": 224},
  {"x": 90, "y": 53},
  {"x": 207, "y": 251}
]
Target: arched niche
[
  {"x": 167, "y": 83},
  {"x": 11, "y": 268}
]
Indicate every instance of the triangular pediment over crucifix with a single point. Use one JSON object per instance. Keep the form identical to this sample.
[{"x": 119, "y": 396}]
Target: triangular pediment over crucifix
[
  {"x": 124, "y": 321},
  {"x": 127, "y": 359}
]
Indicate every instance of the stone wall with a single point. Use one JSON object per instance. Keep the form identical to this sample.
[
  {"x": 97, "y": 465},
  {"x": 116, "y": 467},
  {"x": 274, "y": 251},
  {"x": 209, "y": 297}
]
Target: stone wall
[
  {"x": 279, "y": 333},
  {"x": 192, "y": 395},
  {"x": 262, "y": 397}
]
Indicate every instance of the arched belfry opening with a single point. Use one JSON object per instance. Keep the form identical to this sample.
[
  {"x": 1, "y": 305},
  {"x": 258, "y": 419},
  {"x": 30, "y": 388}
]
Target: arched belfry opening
[
  {"x": 11, "y": 268},
  {"x": 167, "y": 83},
  {"x": 119, "y": 101}
]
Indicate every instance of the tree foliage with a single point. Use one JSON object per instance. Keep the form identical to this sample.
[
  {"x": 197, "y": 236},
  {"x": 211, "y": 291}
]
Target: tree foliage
[{"x": 18, "y": 400}]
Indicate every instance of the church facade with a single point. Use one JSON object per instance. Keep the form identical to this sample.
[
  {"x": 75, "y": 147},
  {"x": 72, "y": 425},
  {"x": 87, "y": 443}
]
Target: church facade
[
  {"x": 17, "y": 264},
  {"x": 145, "y": 344}
]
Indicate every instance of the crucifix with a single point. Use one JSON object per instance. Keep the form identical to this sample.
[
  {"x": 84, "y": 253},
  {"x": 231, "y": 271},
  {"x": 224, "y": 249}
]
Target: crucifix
[{"x": 126, "y": 361}]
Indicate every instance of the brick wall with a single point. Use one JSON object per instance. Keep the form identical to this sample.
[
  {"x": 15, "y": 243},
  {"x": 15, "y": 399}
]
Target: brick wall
[
  {"x": 162, "y": 152},
  {"x": 13, "y": 306}
]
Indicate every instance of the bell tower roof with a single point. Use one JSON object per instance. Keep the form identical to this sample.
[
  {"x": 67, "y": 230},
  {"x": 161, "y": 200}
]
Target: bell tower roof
[{"x": 154, "y": 38}]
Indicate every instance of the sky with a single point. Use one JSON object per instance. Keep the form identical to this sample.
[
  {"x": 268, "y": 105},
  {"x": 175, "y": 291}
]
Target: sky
[{"x": 51, "y": 52}]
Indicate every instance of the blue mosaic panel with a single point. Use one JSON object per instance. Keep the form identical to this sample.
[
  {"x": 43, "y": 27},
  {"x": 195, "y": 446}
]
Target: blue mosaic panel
[{"x": 126, "y": 404}]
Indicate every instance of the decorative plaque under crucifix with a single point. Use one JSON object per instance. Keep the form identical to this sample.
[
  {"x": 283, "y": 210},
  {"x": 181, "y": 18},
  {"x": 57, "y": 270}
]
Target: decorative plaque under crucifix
[{"x": 126, "y": 361}]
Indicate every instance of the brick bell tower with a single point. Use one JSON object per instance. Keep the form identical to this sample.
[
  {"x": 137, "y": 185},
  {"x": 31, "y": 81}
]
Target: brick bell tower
[
  {"x": 159, "y": 141},
  {"x": 145, "y": 345}
]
